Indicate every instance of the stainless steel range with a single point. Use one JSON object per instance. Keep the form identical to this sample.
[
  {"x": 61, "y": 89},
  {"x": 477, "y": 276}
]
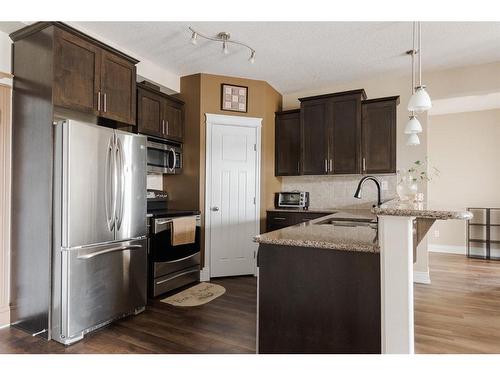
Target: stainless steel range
[{"x": 170, "y": 267}]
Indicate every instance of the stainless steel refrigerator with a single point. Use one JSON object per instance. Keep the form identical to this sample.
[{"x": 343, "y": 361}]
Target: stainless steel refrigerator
[{"x": 98, "y": 263}]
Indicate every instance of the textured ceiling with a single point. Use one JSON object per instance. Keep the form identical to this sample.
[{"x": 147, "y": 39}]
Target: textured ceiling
[{"x": 295, "y": 56}]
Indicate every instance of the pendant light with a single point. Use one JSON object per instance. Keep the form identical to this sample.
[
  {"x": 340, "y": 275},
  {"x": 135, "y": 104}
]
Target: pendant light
[
  {"x": 420, "y": 101},
  {"x": 413, "y": 140}
]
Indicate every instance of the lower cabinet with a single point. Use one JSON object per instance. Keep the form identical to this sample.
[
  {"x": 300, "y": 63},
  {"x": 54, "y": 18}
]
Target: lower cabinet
[{"x": 281, "y": 219}]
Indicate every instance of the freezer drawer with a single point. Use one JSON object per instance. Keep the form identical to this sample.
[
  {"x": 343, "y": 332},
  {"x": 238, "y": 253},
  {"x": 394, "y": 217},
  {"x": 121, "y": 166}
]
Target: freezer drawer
[{"x": 100, "y": 284}]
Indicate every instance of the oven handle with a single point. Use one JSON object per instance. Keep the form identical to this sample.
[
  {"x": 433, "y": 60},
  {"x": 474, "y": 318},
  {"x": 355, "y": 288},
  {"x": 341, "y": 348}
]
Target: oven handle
[{"x": 174, "y": 277}]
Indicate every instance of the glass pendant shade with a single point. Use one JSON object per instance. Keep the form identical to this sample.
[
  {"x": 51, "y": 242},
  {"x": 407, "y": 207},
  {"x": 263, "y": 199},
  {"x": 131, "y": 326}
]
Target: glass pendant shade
[
  {"x": 413, "y": 140},
  {"x": 420, "y": 101},
  {"x": 413, "y": 126}
]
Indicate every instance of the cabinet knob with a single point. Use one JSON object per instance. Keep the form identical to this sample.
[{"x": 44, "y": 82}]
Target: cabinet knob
[{"x": 215, "y": 208}]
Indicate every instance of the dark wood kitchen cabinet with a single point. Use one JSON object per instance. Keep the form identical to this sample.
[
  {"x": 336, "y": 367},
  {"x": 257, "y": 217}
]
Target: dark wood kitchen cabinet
[
  {"x": 159, "y": 114},
  {"x": 331, "y": 133},
  {"x": 281, "y": 219},
  {"x": 379, "y": 135},
  {"x": 287, "y": 150},
  {"x": 92, "y": 79}
]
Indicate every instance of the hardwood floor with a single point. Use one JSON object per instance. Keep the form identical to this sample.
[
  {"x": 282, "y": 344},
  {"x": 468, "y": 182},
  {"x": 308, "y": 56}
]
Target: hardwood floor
[
  {"x": 458, "y": 313},
  {"x": 224, "y": 325}
]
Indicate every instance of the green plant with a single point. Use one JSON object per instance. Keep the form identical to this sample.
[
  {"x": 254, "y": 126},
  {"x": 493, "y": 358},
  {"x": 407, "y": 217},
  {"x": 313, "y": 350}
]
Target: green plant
[{"x": 422, "y": 170}]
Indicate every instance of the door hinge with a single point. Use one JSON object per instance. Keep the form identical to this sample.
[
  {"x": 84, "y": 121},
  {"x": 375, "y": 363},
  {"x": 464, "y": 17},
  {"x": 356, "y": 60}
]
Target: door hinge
[
  {"x": 254, "y": 254},
  {"x": 255, "y": 146},
  {"x": 254, "y": 200}
]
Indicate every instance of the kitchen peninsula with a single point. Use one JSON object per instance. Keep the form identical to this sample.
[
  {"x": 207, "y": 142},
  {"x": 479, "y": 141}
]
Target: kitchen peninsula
[{"x": 343, "y": 283}]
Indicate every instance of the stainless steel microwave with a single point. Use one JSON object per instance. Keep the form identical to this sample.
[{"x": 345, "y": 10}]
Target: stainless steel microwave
[
  {"x": 163, "y": 156},
  {"x": 292, "y": 199}
]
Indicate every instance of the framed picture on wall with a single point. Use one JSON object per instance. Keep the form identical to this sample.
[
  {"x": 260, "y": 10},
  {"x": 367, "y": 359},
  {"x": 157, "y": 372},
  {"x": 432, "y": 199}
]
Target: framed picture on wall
[{"x": 234, "y": 98}]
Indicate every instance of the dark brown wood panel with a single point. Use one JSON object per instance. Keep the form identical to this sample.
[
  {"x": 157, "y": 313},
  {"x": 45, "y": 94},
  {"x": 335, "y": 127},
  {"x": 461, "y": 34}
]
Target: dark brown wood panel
[
  {"x": 314, "y": 121},
  {"x": 174, "y": 120},
  {"x": 118, "y": 88},
  {"x": 287, "y": 145},
  {"x": 335, "y": 309},
  {"x": 344, "y": 150},
  {"x": 379, "y": 135},
  {"x": 77, "y": 65},
  {"x": 149, "y": 113},
  {"x": 282, "y": 219}
]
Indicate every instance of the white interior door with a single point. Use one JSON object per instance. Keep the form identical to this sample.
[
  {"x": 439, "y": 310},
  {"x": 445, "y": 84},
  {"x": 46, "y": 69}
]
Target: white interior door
[{"x": 232, "y": 205}]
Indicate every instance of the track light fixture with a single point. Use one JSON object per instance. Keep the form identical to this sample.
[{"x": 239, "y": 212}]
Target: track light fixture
[{"x": 225, "y": 39}]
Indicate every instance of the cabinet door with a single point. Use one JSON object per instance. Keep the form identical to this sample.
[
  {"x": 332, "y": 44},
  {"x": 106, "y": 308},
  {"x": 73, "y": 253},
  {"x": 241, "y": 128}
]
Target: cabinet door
[
  {"x": 118, "y": 88},
  {"x": 174, "y": 120},
  {"x": 379, "y": 137},
  {"x": 149, "y": 113},
  {"x": 314, "y": 118},
  {"x": 345, "y": 136},
  {"x": 77, "y": 65},
  {"x": 287, "y": 147}
]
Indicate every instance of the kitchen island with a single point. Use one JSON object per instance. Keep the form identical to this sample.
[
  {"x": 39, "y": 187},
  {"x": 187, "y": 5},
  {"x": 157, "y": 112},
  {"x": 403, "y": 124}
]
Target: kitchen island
[{"x": 342, "y": 283}]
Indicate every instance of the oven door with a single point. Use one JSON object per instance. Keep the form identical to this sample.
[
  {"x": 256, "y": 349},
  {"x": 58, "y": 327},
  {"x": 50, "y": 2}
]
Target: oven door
[
  {"x": 161, "y": 158},
  {"x": 167, "y": 258}
]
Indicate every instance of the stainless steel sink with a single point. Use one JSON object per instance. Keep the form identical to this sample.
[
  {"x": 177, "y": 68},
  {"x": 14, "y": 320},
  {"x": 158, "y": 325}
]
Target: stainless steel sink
[{"x": 349, "y": 222}]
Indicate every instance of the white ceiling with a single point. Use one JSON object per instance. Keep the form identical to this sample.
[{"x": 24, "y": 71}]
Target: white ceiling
[{"x": 295, "y": 56}]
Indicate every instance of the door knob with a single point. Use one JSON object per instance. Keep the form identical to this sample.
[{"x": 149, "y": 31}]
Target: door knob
[{"x": 215, "y": 208}]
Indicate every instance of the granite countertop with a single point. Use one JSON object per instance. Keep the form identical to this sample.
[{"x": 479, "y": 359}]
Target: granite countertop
[
  {"x": 327, "y": 236},
  {"x": 310, "y": 210},
  {"x": 419, "y": 210}
]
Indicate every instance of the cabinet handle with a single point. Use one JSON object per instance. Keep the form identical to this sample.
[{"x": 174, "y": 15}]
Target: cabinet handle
[
  {"x": 364, "y": 165},
  {"x": 298, "y": 167},
  {"x": 105, "y": 103},
  {"x": 331, "y": 165},
  {"x": 326, "y": 166},
  {"x": 167, "y": 127},
  {"x": 279, "y": 218},
  {"x": 98, "y": 100},
  {"x": 163, "y": 126}
]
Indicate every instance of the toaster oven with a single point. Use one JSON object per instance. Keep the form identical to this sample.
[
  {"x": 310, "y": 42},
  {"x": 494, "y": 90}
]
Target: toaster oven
[{"x": 292, "y": 199}]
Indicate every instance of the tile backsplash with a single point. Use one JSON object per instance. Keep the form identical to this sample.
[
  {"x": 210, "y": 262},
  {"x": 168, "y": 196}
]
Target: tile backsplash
[{"x": 338, "y": 191}]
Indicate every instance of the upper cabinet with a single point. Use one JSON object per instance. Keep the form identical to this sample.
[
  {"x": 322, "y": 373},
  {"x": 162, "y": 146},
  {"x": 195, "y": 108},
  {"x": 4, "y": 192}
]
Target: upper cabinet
[
  {"x": 331, "y": 133},
  {"x": 287, "y": 135},
  {"x": 86, "y": 75},
  {"x": 159, "y": 114},
  {"x": 337, "y": 134},
  {"x": 379, "y": 135},
  {"x": 88, "y": 78}
]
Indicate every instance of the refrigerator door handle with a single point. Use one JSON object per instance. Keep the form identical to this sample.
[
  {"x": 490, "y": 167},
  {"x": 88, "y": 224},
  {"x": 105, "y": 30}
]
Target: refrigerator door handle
[
  {"x": 121, "y": 179},
  {"x": 110, "y": 250},
  {"x": 108, "y": 185}
]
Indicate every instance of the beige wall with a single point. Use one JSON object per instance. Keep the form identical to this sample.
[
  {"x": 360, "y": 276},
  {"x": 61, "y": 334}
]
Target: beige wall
[
  {"x": 201, "y": 93},
  {"x": 465, "y": 147},
  {"x": 471, "y": 80}
]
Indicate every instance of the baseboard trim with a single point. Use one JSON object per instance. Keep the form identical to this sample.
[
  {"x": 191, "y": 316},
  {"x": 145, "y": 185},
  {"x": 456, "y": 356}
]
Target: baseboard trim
[
  {"x": 449, "y": 249},
  {"x": 5, "y": 318},
  {"x": 421, "y": 277},
  {"x": 205, "y": 274}
]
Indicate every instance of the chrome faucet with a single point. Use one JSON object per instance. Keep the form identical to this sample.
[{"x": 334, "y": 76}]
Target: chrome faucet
[{"x": 357, "y": 194}]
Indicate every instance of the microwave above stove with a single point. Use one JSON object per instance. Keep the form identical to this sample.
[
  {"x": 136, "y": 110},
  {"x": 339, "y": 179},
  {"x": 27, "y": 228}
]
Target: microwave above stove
[
  {"x": 164, "y": 156},
  {"x": 292, "y": 199}
]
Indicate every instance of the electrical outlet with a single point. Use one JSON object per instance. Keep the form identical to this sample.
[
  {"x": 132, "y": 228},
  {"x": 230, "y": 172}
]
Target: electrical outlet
[
  {"x": 436, "y": 233},
  {"x": 385, "y": 185}
]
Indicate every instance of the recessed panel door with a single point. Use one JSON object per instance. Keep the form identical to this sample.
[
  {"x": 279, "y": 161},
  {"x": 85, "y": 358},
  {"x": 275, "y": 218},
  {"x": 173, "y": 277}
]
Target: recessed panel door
[{"x": 233, "y": 216}]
